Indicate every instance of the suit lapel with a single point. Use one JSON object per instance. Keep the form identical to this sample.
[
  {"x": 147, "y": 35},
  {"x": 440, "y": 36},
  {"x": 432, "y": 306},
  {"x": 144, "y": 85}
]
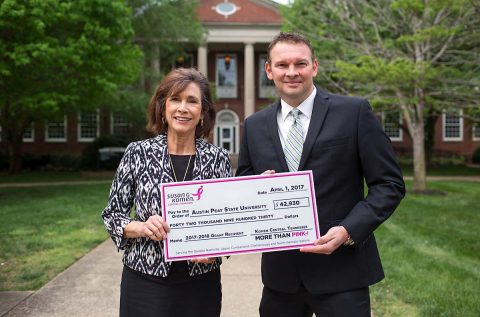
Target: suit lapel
[
  {"x": 319, "y": 112},
  {"x": 273, "y": 129}
]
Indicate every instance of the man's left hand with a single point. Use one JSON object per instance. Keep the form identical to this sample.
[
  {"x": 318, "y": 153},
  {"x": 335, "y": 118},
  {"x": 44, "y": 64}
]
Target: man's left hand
[
  {"x": 334, "y": 238},
  {"x": 203, "y": 260}
]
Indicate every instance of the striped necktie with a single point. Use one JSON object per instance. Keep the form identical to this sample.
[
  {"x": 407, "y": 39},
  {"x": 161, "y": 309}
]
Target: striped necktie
[{"x": 294, "y": 143}]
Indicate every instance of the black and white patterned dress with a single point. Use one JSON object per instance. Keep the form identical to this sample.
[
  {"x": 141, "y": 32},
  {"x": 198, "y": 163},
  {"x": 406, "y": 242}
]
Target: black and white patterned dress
[{"x": 136, "y": 188}]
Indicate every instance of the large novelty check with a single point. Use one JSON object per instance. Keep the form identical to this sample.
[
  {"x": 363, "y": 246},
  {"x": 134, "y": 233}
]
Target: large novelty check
[{"x": 249, "y": 214}]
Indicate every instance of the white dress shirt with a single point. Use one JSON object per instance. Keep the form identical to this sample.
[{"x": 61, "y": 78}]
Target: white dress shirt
[{"x": 285, "y": 118}]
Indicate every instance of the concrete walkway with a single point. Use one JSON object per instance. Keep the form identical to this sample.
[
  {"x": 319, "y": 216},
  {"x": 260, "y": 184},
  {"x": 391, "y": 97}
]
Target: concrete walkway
[{"x": 91, "y": 287}]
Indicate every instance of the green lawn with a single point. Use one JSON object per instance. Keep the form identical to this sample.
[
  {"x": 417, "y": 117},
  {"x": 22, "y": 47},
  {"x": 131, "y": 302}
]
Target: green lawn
[
  {"x": 430, "y": 249},
  {"x": 445, "y": 170},
  {"x": 40, "y": 176},
  {"x": 44, "y": 230}
]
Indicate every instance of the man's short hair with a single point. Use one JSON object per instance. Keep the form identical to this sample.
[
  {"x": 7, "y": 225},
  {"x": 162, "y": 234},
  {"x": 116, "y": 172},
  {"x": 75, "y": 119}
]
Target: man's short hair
[{"x": 289, "y": 37}]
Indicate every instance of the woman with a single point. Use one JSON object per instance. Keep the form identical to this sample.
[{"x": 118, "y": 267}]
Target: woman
[{"x": 181, "y": 113}]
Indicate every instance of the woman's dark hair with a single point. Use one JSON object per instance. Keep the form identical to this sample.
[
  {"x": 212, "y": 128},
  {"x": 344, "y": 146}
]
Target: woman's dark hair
[{"x": 172, "y": 84}]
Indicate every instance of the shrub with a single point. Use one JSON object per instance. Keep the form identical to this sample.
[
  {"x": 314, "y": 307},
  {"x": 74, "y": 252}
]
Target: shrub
[
  {"x": 64, "y": 163},
  {"x": 91, "y": 155},
  {"x": 3, "y": 162},
  {"x": 476, "y": 156},
  {"x": 35, "y": 161}
]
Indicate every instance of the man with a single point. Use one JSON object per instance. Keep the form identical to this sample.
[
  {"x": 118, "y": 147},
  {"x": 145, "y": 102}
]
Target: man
[{"x": 342, "y": 142}]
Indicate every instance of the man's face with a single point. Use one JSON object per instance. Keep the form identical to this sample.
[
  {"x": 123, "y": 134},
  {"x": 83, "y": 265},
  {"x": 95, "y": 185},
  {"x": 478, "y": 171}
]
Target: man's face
[{"x": 292, "y": 70}]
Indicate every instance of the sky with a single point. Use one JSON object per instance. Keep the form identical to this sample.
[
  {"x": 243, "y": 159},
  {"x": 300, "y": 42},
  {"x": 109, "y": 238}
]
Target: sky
[{"x": 281, "y": 1}]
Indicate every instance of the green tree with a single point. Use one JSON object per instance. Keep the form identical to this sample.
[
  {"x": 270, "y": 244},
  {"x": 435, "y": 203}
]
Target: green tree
[
  {"x": 58, "y": 56},
  {"x": 165, "y": 30},
  {"x": 414, "y": 56}
]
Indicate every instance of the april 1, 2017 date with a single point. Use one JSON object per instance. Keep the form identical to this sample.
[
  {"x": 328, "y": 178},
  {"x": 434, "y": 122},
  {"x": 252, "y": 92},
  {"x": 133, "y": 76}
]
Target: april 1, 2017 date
[{"x": 294, "y": 187}]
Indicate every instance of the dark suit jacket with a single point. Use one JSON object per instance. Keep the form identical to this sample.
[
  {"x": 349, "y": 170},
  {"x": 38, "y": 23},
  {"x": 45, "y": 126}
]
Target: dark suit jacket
[{"x": 345, "y": 146}]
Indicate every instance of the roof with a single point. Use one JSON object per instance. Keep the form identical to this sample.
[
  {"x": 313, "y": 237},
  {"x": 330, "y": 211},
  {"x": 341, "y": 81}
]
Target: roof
[{"x": 239, "y": 12}]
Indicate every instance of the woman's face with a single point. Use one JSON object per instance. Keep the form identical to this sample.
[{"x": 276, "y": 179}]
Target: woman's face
[{"x": 183, "y": 111}]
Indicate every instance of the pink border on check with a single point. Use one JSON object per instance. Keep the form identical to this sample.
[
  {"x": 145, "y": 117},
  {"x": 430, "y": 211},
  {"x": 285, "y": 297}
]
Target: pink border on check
[{"x": 242, "y": 178}]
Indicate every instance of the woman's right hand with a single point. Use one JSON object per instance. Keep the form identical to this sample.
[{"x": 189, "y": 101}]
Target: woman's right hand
[{"x": 154, "y": 228}]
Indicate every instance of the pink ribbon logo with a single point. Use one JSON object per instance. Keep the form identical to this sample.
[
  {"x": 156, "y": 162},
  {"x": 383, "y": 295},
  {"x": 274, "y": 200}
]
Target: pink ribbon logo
[{"x": 199, "y": 193}]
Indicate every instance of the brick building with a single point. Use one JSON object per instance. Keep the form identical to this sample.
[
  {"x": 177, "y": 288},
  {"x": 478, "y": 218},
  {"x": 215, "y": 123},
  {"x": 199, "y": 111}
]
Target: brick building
[{"x": 233, "y": 57}]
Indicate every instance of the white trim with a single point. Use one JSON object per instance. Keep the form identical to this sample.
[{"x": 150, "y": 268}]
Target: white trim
[
  {"x": 79, "y": 121},
  {"x": 57, "y": 140},
  {"x": 222, "y": 33},
  {"x": 473, "y": 131},
  {"x": 32, "y": 139},
  {"x": 235, "y": 125},
  {"x": 24, "y": 140},
  {"x": 452, "y": 139}
]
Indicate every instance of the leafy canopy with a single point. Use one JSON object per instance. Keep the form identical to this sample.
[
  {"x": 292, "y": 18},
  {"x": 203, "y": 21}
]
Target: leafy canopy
[{"x": 63, "y": 53}]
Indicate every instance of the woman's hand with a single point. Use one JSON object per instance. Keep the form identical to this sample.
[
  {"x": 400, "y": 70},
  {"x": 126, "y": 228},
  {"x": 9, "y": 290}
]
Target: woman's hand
[
  {"x": 154, "y": 228},
  {"x": 203, "y": 260},
  {"x": 268, "y": 172}
]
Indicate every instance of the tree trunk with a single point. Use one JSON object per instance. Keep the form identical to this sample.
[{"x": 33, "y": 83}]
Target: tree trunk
[
  {"x": 12, "y": 135},
  {"x": 15, "y": 158},
  {"x": 419, "y": 168}
]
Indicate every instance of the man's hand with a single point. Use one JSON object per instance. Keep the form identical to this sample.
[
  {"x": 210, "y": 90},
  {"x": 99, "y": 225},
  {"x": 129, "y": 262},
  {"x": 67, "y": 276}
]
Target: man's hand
[
  {"x": 328, "y": 243},
  {"x": 203, "y": 260},
  {"x": 268, "y": 172}
]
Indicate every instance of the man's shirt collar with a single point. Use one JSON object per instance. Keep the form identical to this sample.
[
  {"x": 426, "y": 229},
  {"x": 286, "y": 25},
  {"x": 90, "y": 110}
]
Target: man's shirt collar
[{"x": 305, "y": 107}]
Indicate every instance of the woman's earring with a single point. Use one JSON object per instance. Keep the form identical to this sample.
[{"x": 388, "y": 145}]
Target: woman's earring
[
  {"x": 163, "y": 120},
  {"x": 201, "y": 123}
]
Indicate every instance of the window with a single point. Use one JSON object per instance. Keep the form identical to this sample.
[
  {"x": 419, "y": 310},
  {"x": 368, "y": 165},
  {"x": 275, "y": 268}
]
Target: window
[
  {"x": 452, "y": 126},
  {"x": 392, "y": 122},
  {"x": 56, "y": 130},
  {"x": 120, "y": 125},
  {"x": 266, "y": 87},
  {"x": 29, "y": 134},
  {"x": 226, "y": 76},
  {"x": 227, "y": 131},
  {"x": 87, "y": 126},
  {"x": 476, "y": 131}
]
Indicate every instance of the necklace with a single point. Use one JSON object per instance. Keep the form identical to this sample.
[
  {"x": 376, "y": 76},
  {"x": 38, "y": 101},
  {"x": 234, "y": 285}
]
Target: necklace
[{"x": 173, "y": 168}]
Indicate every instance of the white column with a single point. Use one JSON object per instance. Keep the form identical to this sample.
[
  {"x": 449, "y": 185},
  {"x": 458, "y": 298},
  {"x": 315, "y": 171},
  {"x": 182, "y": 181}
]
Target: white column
[
  {"x": 249, "y": 80},
  {"x": 202, "y": 60}
]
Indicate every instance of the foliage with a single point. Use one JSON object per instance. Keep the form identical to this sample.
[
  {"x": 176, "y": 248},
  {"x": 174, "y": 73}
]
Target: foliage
[
  {"x": 476, "y": 156},
  {"x": 58, "y": 55},
  {"x": 164, "y": 29},
  {"x": 430, "y": 253},
  {"x": 91, "y": 158},
  {"x": 408, "y": 55},
  {"x": 45, "y": 229}
]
